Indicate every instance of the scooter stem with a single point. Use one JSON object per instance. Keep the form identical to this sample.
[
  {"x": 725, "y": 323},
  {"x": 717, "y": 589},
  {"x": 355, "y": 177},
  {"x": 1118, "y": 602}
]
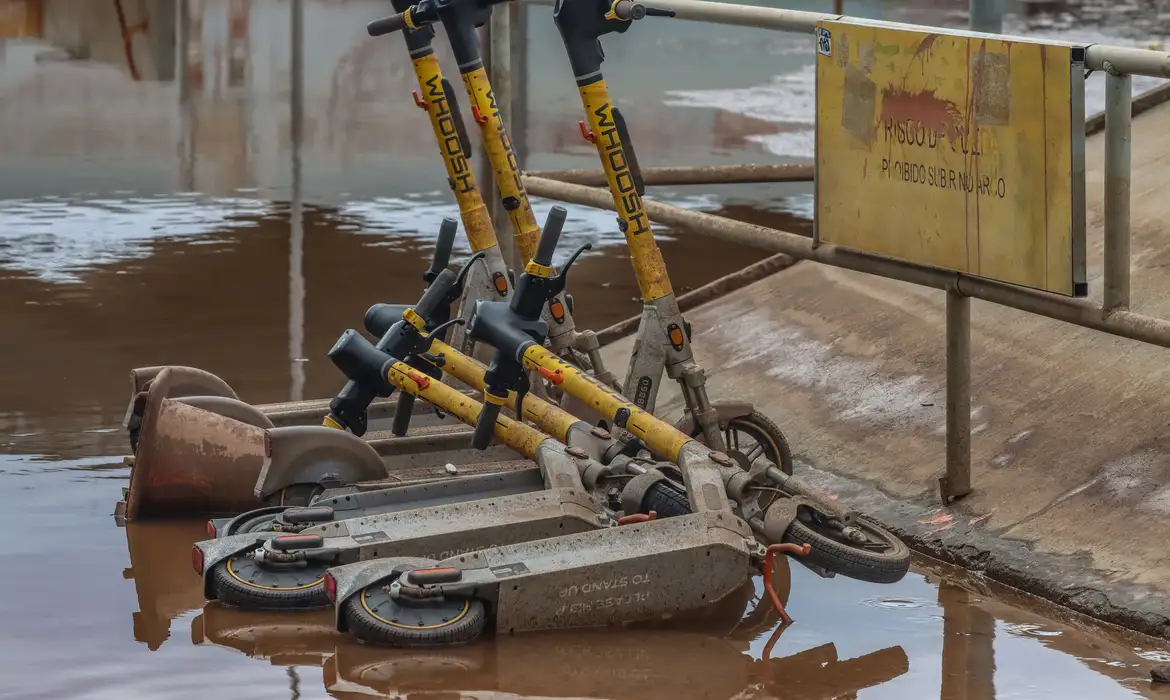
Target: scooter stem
[
  {"x": 434, "y": 96},
  {"x": 581, "y": 24}
]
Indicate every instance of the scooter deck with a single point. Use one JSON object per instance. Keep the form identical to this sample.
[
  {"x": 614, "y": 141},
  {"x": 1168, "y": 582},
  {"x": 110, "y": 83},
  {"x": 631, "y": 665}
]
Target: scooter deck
[
  {"x": 434, "y": 532},
  {"x": 419, "y": 489},
  {"x": 585, "y": 579}
]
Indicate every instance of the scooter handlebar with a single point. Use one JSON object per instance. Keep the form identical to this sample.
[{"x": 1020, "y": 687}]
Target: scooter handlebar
[
  {"x": 627, "y": 10},
  {"x": 442, "y": 248},
  {"x": 551, "y": 236},
  {"x": 380, "y": 317},
  {"x": 485, "y": 426},
  {"x": 387, "y": 25},
  {"x": 360, "y": 360},
  {"x": 583, "y": 22},
  {"x": 436, "y": 294}
]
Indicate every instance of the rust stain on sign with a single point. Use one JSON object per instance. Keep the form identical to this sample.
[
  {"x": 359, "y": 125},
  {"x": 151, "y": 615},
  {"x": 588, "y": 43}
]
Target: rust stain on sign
[
  {"x": 925, "y": 107},
  {"x": 924, "y": 47}
]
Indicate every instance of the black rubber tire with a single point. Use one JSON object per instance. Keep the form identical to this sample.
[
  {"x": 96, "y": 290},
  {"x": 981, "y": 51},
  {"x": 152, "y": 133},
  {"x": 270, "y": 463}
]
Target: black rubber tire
[
  {"x": 364, "y": 625},
  {"x": 238, "y": 593},
  {"x": 759, "y": 425},
  {"x": 848, "y": 560},
  {"x": 666, "y": 500}
]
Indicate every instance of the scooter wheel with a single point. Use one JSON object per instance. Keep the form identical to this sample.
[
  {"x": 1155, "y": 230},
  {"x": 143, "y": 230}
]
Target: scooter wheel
[
  {"x": 666, "y": 500},
  {"x": 373, "y": 616},
  {"x": 241, "y": 582},
  {"x": 832, "y": 553},
  {"x": 765, "y": 433}
]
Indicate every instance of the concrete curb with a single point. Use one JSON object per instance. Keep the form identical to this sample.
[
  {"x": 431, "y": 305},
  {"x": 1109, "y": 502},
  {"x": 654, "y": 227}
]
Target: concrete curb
[{"x": 1068, "y": 581}]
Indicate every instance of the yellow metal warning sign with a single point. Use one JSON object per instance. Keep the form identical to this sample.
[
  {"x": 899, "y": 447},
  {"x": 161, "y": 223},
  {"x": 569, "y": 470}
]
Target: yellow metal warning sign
[{"x": 954, "y": 150}]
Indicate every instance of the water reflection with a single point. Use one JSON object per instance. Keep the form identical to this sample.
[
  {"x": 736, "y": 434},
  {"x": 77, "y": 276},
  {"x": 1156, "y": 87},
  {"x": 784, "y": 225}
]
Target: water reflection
[
  {"x": 945, "y": 635},
  {"x": 229, "y": 290},
  {"x": 164, "y": 583},
  {"x": 968, "y": 651},
  {"x": 621, "y": 665}
]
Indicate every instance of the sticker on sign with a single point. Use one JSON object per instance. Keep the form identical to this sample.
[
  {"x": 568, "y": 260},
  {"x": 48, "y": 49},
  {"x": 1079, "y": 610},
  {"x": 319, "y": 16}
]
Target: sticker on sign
[{"x": 824, "y": 42}]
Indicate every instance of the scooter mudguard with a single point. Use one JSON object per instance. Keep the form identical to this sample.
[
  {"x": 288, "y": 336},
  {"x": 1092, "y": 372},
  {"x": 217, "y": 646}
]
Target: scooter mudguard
[
  {"x": 191, "y": 461},
  {"x": 185, "y": 381},
  {"x": 230, "y": 408},
  {"x": 724, "y": 412},
  {"x": 311, "y": 454}
]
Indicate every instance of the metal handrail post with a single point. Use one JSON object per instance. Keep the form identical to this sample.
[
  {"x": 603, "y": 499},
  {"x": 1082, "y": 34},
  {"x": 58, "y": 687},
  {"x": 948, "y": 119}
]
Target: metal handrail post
[
  {"x": 1118, "y": 157},
  {"x": 956, "y": 483}
]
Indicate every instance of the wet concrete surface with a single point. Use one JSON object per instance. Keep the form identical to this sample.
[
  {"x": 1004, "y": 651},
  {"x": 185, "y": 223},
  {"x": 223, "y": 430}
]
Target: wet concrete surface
[{"x": 137, "y": 228}]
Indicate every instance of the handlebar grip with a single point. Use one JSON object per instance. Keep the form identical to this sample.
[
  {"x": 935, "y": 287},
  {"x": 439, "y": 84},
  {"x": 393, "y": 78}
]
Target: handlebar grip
[
  {"x": 435, "y": 295},
  {"x": 402, "y": 414},
  {"x": 551, "y": 235},
  {"x": 625, "y": 9},
  {"x": 386, "y": 25},
  {"x": 380, "y": 317},
  {"x": 485, "y": 426},
  {"x": 443, "y": 247}
]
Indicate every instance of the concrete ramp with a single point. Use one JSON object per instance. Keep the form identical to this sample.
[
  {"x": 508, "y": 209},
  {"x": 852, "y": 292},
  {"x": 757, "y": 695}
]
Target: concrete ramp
[{"x": 1071, "y": 428}]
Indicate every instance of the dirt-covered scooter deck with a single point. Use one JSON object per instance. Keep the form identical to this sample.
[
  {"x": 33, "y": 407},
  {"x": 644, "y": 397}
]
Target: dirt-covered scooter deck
[
  {"x": 569, "y": 491},
  {"x": 535, "y": 585}
]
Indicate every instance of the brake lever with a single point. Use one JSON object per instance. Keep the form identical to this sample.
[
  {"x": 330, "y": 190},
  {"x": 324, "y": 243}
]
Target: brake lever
[
  {"x": 560, "y": 278},
  {"x": 422, "y": 340},
  {"x": 443, "y": 326},
  {"x": 459, "y": 276},
  {"x": 523, "y": 386}
]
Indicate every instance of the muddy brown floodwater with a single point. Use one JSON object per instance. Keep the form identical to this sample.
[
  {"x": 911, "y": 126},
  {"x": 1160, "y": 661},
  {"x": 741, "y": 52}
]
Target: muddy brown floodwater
[{"x": 159, "y": 221}]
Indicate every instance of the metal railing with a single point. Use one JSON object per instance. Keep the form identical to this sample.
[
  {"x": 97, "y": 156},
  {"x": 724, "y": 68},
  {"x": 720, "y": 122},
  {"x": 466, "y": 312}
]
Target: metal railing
[{"x": 1113, "y": 316}]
